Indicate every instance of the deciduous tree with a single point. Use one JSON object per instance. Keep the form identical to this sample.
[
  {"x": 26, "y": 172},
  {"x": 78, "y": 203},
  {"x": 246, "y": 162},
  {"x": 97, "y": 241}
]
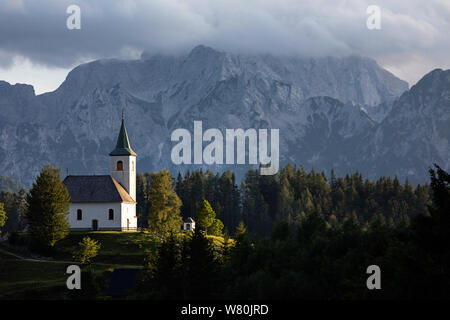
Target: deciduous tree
[{"x": 164, "y": 211}]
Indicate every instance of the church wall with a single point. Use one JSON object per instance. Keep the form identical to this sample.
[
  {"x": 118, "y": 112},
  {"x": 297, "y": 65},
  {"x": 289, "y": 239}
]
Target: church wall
[
  {"x": 129, "y": 212},
  {"x": 95, "y": 211}
]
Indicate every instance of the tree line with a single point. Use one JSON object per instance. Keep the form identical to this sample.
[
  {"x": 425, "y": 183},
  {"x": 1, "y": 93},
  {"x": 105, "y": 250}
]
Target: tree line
[
  {"x": 261, "y": 201},
  {"x": 217, "y": 203},
  {"x": 318, "y": 260}
]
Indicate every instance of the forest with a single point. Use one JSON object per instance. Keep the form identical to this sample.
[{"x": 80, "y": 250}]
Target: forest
[
  {"x": 261, "y": 200},
  {"x": 315, "y": 256}
]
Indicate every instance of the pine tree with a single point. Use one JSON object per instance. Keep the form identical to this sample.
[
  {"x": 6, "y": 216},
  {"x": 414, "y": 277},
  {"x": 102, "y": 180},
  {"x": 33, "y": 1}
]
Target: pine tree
[
  {"x": 168, "y": 269},
  {"x": 142, "y": 200},
  {"x": 240, "y": 230},
  {"x": 216, "y": 228},
  {"x": 164, "y": 212},
  {"x": 333, "y": 221},
  {"x": 281, "y": 231},
  {"x": 440, "y": 209},
  {"x": 200, "y": 266},
  {"x": 205, "y": 215},
  {"x": 48, "y": 206}
]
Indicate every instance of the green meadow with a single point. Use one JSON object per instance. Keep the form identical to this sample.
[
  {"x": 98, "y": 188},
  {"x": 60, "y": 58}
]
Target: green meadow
[{"x": 23, "y": 279}]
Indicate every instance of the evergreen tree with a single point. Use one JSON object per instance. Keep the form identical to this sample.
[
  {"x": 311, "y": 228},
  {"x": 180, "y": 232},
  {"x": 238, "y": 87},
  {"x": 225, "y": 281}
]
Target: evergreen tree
[
  {"x": 168, "y": 269},
  {"x": 201, "y": 267},
  {"x": 205, "y": 215},
  {"x": 142, "y": 185},
  {"x": 240, "y": 230},
  {"x": 440, "y": 209},
  {"x": 216, "y": 228},
  {"x": 281, "y": 231},
  {"x": 15, "y": 206},
  {"x": 48, "y": 206},
  {"x": 333, "y": 221}
]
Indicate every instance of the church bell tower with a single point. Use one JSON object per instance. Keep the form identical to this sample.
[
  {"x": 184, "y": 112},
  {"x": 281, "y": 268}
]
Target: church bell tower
[{"x": 123, "y": 162}]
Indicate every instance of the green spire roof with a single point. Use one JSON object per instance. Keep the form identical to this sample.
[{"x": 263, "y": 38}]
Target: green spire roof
[{"x": 123, "y": 144}]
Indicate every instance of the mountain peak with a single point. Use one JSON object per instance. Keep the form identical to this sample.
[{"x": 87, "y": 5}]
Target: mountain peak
[
  {"x": 22, "y": 88},
  {"x": 437, "y": 80},
  {"x": 202, "y": 52}
]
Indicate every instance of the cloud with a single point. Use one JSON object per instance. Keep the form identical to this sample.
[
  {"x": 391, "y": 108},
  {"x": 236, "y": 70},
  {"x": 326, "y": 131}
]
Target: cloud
[{"x": 413, "y": 37}]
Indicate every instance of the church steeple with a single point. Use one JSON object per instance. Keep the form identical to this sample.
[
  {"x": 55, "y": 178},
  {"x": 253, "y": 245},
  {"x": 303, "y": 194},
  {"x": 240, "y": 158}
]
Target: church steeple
[
  {"x": 123, "y": 147},
  {"x": 123, "y": 162}
]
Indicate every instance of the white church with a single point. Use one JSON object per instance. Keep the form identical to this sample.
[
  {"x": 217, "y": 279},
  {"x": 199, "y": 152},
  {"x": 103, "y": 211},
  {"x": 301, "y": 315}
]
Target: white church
[{"x": 106, "y": 202}]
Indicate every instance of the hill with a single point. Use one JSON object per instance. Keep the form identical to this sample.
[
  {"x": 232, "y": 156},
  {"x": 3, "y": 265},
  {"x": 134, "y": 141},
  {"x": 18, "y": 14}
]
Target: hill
[{"x": 21, "y": 278}]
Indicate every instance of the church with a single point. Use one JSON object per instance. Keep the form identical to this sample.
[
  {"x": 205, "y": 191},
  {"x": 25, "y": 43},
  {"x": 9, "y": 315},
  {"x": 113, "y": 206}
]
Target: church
[{"x": 106, "y": 202}]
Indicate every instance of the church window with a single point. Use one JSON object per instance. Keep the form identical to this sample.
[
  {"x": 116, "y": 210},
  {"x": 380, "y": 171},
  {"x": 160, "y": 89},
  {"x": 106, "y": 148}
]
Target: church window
[
  {"x": 132, "y": 166},
  {"x": 119, "y": 166},
  {"x": 79, "y": 214},
  {"x": 111, "y": 214}
]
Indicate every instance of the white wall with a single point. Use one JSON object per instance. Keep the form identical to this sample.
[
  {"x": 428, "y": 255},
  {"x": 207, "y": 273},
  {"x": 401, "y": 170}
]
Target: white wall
[
  {"x": 129, "y": 212},
  {"x": 191, "y": 224},
  {"x": 127, "y": 177},
  {"x": 97, "y": 211}
]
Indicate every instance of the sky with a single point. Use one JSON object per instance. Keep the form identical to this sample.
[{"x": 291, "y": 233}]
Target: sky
[{"x": 37, "y": 47}]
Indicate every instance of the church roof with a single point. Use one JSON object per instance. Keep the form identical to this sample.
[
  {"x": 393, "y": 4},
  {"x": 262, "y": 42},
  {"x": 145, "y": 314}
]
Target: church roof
[
  {"x": 96, "y": 189},
  {"x": 123, "y": 147}
]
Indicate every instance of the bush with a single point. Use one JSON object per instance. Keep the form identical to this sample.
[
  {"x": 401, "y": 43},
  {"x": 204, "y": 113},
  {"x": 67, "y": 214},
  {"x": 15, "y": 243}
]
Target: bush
[{"x": 87, "y": 249}]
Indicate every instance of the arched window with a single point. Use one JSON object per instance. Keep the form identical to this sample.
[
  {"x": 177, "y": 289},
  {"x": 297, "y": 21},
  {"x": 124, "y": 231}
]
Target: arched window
[
  {"x": 111, "y": 214},
  {"x": 119, "y": 166},
  {"x": 132, "y": 165},
  {"x": 79, "y": 214}
]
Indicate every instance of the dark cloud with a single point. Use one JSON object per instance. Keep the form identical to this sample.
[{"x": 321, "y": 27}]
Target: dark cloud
[{"x": 414, "y": 34}]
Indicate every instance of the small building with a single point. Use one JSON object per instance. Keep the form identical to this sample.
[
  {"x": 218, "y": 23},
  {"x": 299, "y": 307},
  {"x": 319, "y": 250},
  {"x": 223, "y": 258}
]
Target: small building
[
  {"x": 106, "y": 202},
  {"x": 189, "y": 224}
]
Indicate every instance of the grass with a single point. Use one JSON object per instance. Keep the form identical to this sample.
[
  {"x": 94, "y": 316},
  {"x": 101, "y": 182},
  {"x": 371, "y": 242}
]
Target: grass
[
  {"x": 116, "y": 247},
  {"x": 21, "y": 279}
]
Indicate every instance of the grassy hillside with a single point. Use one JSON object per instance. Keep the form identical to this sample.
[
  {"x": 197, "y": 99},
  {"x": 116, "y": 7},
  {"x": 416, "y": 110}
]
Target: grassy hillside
[
  {"x": 22, "y": 279},
  {"x": 116, "y": 247}
]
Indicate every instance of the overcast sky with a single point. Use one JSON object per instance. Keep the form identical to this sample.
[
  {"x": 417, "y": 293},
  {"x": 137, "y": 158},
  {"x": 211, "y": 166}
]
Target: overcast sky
[{"x": 37, "y": 48}]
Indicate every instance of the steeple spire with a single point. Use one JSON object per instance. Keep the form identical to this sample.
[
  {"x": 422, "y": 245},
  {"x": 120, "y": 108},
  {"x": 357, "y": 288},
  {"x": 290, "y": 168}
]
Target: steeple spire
[{"x": 123, "y": 147}]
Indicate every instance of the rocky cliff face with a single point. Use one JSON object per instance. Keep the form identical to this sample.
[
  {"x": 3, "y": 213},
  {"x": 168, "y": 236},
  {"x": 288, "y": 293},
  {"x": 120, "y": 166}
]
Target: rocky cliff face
[
  {"x": 331, "y": 112},
  {"x": 415, "y": 134}
]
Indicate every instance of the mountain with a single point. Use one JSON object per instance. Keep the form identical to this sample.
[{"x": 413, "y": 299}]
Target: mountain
[
  {"x": 415, "y": 134},
  {"x": 9, "y": 185},
  {"x": 329, "y": 112}
]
